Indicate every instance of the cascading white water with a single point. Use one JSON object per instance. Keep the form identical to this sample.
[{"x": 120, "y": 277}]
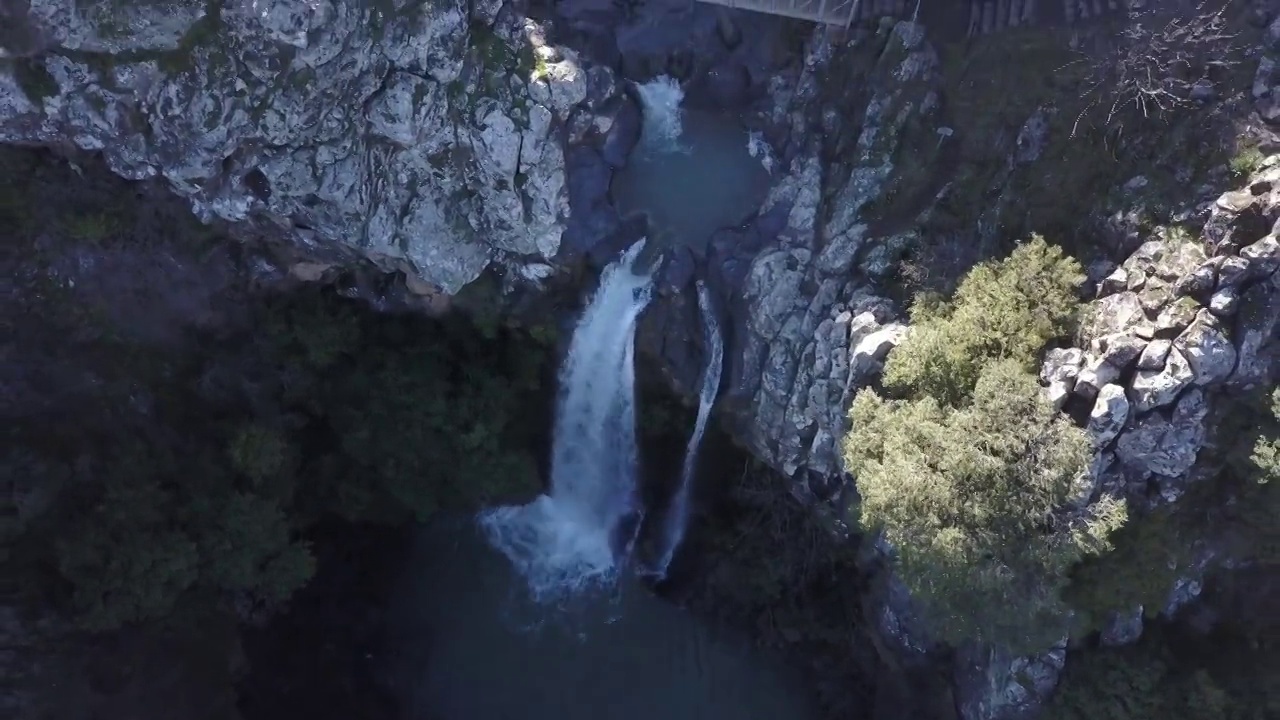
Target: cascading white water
[
  {"x": 565, "y": 540},
  {"x": 663, "y": 124},
  {"x": 758, "y": 148},
  {"x": 677, "y": 518}
]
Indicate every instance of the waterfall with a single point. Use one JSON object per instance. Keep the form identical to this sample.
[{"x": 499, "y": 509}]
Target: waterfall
[
  {"x": 677, "y": 518},
  {"x": 660, "y": 100},
  {"x": 567, "y": 539},
  {"x": 757, "y": 147}
]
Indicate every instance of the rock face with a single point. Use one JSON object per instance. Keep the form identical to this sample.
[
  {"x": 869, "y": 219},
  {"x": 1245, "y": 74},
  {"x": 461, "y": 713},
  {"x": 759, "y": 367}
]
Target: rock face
[
  {"x": 812, "y": 328},
  {"x": 1163, "y": 344},
  {"x": 422, "y": 137}
]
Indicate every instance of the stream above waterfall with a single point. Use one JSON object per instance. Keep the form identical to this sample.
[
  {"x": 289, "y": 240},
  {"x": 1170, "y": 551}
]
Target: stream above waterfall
[
  {"x": 472, "y": 647},
  {"x": 692, "y": 172}
]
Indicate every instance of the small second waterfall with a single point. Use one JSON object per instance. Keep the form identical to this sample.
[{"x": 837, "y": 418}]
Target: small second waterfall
[
  {"x": 677, "y": 517},
  {"x": 663, "y": 121},
  {"x": 569, "y": 538}
]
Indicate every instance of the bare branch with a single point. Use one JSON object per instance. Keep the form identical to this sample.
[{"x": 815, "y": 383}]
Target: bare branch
[{"x": 1152, "y": 69}]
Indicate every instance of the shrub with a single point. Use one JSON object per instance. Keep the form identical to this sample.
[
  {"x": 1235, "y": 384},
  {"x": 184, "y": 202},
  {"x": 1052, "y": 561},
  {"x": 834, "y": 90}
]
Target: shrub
[
  {"x": 1001, "y": 310},
  {"x": 967, "y": 468},
  {"x": 166, "y": 522},
  {"x": 1218, "y": 677}
]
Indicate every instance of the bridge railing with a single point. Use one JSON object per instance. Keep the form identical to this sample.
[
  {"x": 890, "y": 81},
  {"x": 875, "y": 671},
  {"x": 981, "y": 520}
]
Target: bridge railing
[{"x": 832, "y": 12}]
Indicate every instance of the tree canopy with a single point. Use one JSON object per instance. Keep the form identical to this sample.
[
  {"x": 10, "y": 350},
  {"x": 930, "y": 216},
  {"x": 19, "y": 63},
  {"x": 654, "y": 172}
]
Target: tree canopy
[{"x": 966, "y": 467}]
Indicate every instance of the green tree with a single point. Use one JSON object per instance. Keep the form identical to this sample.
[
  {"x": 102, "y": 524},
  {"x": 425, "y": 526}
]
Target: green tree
[
  {"x": 966, "y": 468},
  {"x": 1001, "y": 310}
]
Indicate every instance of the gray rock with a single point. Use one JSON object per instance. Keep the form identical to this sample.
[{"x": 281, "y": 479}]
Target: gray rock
[
  {"x": 1109, "y": 415},
  {"x": 1210, "y": 354},
  {"x": 108, "y": 27},
  {"x": 1155, "y": 296},
  {"x": 1153, "y": 356},
  {"x": 1166, "y": 446},
  {"x": 1122, "y": 628},
  {"x": 1203, "y": 91},
  {"x": 1223, "y": 302},
  {"x": 1157, "y": 388},
  {"x": 1059, "y": 372},
  {"x": 1236, "y": 201},
  {"x": 875, "y": 347},
  {"x": 1176, "y": 316},
  {"x": 1184, "y": 591},
  {"x": 1199, "y": 282},
  {"x": 1062, "y": 364},
  {"x": 1264, "y": 77},
  {"x": 1263, "y": 256},
  {"x": 1118, "y": 350},
  {"x": 1166, "y": 259},
  {"x": 1116, "y": 313},
  {"x": 805, "y": 306},
  {"x": 1116, "y": 282},
  {"x": 991, "y": 685},
  {"x": 377, "y": 132},
  {"x": 1096, "y": 373},
  {"x": 1232, "y": 271},
  {"x": 1255, "y": 334}
]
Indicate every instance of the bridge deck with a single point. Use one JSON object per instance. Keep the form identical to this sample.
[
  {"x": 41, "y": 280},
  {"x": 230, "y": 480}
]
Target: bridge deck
[{"x": 832, "y": 12}]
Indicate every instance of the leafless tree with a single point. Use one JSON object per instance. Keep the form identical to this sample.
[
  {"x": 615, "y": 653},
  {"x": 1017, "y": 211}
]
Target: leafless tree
[{"x": 1153, "y": 67}]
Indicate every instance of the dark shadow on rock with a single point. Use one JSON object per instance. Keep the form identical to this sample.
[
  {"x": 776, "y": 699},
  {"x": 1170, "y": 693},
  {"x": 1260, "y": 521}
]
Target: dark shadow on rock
[
  {"x": 728, "y": 263},
  {"x": 624, "y": 133},
  {"x": 593, "y": 217}
]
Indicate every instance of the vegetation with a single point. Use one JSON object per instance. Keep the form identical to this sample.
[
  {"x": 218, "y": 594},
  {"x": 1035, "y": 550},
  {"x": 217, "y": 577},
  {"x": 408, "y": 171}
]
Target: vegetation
[
  {"x": 1235, "y": 512},
  {"x": 1224, "y": 676},
  {"x": 197, "y": 474},
  {"x": 1155, "y": 66},
  {"x": 966, "y": 468}
]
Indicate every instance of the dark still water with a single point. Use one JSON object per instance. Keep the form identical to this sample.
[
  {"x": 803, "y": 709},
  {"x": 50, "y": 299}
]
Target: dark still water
[
  {"x": 470, "y": 647},
  {"x": 694, "y": 184}
]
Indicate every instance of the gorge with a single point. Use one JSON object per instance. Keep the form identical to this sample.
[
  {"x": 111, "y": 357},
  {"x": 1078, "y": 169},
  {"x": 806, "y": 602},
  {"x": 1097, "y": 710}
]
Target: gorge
[{"x": 406, "y": 351}]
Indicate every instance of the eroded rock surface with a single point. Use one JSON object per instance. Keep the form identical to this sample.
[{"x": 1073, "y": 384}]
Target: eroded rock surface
[{"x": 424, "y": 137}]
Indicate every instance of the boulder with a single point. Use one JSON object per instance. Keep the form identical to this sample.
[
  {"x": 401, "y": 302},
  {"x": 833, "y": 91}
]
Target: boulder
[
  {"x": 1263, "y": 256},
  {"x": 1224, "y": 302},
  {"x": 1059, "y": 371},
  {"x": 1116, "y": 313},
  {"x": 1198, "y": 282},
  {"x": 1118, "y": 350},
  {"x": 1157, "y": 388},
  {"x": 1110, "y": 412},
  {"x": 1154, "y": 354},
  {"x": 1210, "y": 354},
  {"x": 1166, "y": 446},
  {"x": 1095, "y": 373},
  {"x": 872, "y": 349},
  {"x": 1232, "y": 271},
  {"x": 1122, "y": 628},
  {"x": 1255, "y": 334},
  {"x": 1176, "y": 316}
]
